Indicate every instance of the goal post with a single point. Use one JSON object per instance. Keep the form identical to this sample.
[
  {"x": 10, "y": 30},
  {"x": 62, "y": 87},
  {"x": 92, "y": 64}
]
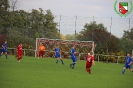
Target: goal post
[{"x": 82, "y": 47}]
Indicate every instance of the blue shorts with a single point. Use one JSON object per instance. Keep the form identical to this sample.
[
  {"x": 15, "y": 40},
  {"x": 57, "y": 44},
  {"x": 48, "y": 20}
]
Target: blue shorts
[
  {"x": 128, "y": 66},
  {"x": 57, "y": 55},
  {"x": 74, "y": 59},
  {"x": 3, "y": 50}
]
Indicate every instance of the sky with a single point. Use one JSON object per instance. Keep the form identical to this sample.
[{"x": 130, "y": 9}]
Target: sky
[{"x": 75, "y": 13}]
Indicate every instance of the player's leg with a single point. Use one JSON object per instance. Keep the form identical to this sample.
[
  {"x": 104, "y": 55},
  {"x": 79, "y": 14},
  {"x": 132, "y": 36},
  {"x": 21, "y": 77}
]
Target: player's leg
[
  {"x": 71, "y": 64},
  {"x": 61, "y": 60},
  {"x": 39, "y": 54},
  {"x": 89, "y": 70},
  {"x": 123, "y": 71},
  {"x": 42, "y": 54},
  {"x": 57, "y": 60},
  {"x": 74, "y": 62},
  {"x": 6, "y": 55},
  {"x": 57, "y": 56},
  {"x": 19, "y": 57},
  {"x": 131, "y": 68},
  {"x": 1, "y": 53},
  {"x": 88, "y": 66}
]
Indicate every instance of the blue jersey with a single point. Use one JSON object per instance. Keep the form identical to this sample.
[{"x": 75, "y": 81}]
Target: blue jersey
[
  {"x": 4, "y": 46},
  {"x": 72, "y": 52},
  {"x": 128, "y": 60},
  {"x": 57, "y": 51},
  {"x": 73, "y": 57}
]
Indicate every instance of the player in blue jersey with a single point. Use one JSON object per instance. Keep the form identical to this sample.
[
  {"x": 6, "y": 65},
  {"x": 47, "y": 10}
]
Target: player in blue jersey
[
  {"x": 128, "y": 63},
  {"x": 4, "y": 49},
  {"x": 73, "y": 57},
  {"x": 58, "y": 55}
]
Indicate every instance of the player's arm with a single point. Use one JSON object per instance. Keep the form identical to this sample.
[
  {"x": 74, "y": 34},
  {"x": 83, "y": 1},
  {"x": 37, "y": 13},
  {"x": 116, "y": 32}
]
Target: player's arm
[
  {"x": 39, "y": 48},
  {"x": 75, "y": 52},
  {"x": 130, "y": 62},
  {"x": 59, "y": 51},
  {"x": 93, "y": 62},
  {"x": 44, "y": 48},
  {"x": 54, "y": 51},
  {"x": 17, "y": 49},
  {"x": 93, "y": 49},
  {"x": 3, "y": 47}
]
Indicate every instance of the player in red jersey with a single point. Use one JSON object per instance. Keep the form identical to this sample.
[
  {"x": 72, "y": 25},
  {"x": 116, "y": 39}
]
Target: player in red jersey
[
  {"x": 89, "y": 61},
  {"x": 19, "y": 52}
]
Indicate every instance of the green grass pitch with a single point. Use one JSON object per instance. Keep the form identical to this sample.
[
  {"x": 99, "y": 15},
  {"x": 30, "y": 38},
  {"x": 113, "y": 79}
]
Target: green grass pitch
[{"x": 44, "y": 73}]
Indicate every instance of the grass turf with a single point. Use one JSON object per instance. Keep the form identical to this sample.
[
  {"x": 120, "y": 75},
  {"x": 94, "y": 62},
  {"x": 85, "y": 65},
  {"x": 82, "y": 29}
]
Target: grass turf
[{"x": 44, "y": 73}]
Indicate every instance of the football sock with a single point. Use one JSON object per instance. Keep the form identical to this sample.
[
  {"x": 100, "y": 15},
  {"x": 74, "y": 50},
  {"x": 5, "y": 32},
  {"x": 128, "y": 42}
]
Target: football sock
[
  {"x": 89, "y": 71},
  {"x": 6, "y": 56},
  {"x": 56, "y": 61},
  {"x": 62, "y": 62},
  {"x": 73, "y": 64},
  {"x": 17, "y": 59},
  {"x": 123, "y": 71},
  {"x": 0, "y": 55}
]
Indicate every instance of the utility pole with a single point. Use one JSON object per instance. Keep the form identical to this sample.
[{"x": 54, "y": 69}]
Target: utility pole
[
  {"x": 128, "y": 37},
  {"x": 75, "y": 27},
  {"x": 92, "y": 36},
  {"x": 59, "y": 30}
]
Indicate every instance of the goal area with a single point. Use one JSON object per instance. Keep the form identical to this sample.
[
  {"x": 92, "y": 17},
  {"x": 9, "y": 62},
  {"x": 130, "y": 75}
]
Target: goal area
[{"x": 82, "y": 47}]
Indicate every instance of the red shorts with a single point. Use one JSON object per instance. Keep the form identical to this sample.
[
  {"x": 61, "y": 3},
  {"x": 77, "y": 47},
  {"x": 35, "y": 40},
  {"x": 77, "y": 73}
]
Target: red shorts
[
  {"x": 19, "y": 54},
  {"x": 88, "y": 65},
  {"x": 41, "y": 53}
]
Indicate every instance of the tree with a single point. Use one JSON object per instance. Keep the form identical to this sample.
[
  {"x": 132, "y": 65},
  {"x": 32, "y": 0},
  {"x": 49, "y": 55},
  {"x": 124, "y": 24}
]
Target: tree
[
  {"x": 127, "y": 41},
  {"x": 4, "y": 16},
  {"x": 4, "y": 5},
  {"x": 50, "y": 29},
  {"x": 128, "y": 34},
  {"x": 13, "y": 4},
  {"x": 70, "y": 37},
  {"x": 98, "y": 33},
  {"x": 62, "y": 37},
  {"x": 2, "y": 39}
]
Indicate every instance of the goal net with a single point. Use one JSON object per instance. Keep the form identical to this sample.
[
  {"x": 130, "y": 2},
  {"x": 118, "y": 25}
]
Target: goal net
[{"x": 82, "y": 47}]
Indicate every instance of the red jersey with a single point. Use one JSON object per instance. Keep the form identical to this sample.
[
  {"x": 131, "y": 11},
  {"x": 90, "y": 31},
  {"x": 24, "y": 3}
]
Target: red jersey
[
  {"x": 89, "y": 59},
  {"x": 19, "y": 48}
]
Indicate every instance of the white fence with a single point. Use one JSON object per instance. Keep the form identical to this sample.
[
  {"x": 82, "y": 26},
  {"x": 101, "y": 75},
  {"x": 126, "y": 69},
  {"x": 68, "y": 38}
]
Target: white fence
[
  {"x": 12, "y": 51},
  {"x": 97, "y": 56}
]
